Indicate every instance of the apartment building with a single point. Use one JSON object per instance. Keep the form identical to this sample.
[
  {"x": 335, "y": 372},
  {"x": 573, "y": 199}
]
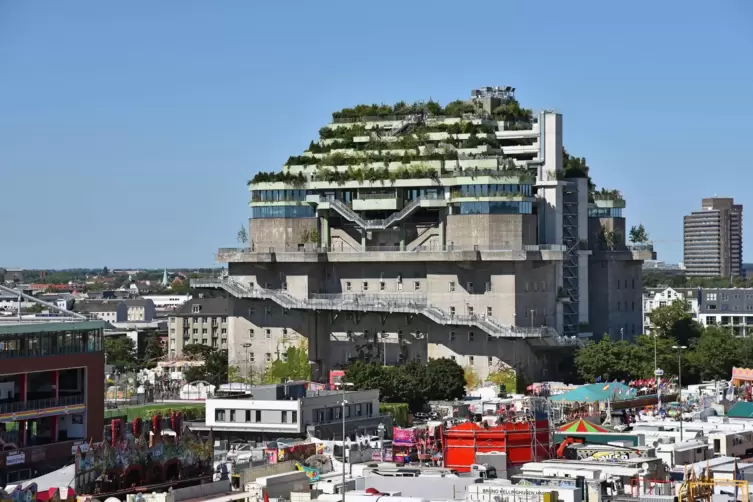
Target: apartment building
[
  {"x": 107, "y": 310},
  {"x": 140, "y": 310},
  {"x": 713, "y": 239},
  {"x": 661, "y": 297},
  {"x": 422, "y": 231},
  {"x": 730, "y": 308},
  {"x": 290, "y": 410},
  {"x": 199, "y": 321}
]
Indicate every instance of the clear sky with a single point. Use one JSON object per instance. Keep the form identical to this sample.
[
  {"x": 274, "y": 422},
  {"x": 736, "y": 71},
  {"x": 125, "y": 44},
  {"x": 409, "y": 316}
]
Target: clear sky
[{"x": 128, "y": 130}]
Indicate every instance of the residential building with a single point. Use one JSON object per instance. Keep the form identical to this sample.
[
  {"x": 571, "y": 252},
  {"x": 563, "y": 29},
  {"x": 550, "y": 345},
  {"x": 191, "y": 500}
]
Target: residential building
[
  {"x": 10, "y": 300},
  {"x": 728, "y": 308},
  {"x": 106, "y": 310},
  {"x": 51, "y": 393},
  {"x": 60, "y": 300},
  {"x": 167, "y": 302},
  {"x": 713, "y": 239},
  {"x": 418, "y": 231},
  {"x": 290, "y": 410},
  {"x": 662, "y": 297},
  {"x": 140, "y": 309},
  {"x": 200, "y": 321}
]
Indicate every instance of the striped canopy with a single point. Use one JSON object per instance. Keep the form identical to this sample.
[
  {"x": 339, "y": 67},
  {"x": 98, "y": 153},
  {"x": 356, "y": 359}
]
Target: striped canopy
[{"x": 581, "y": 425}]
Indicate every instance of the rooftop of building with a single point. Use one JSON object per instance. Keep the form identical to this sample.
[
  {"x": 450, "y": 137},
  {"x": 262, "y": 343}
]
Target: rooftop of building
[
  {"x": 46, "y": 325},
  {"x": 207, "y": 307},
  {"x": 98, "y": 306}
]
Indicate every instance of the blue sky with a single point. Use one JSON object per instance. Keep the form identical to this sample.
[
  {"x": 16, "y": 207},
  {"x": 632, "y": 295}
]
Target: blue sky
[{"x": 128, "y": 130}]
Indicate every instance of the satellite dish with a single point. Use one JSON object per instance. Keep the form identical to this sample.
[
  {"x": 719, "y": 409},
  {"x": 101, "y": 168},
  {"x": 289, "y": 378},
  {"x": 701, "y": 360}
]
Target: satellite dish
[{"x": 645, "y": 466}]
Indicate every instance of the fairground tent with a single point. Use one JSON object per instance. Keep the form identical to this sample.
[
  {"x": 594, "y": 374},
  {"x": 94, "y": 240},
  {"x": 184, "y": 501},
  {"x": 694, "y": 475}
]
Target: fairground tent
[
  {"x": 612, "y": 391},
  {"x": 581, "y": 425}
]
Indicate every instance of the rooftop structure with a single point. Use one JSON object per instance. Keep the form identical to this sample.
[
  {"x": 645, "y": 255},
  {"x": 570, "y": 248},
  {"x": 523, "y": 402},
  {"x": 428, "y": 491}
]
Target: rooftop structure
[
  {"x": 417, "y": 230},
  {"x": 714, "y": 239}
]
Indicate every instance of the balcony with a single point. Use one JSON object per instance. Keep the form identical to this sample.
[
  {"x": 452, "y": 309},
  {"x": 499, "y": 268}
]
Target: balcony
[{"x": 41, "y": 404}]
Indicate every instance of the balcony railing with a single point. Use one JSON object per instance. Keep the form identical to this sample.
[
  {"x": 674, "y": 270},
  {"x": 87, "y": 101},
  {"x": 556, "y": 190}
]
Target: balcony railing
[
  {"x": 261, "y": 248},
  {"x": 41, "y": 404}
]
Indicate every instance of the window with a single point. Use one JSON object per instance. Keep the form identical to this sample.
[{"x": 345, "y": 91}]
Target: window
[
  {"x": 452, "y": 311},
  {"x": 710, "y": 297},
  {"x": 232, "y": 415},
  {"x": 347, "y": 286},
  {"x": 633, "y": 283},
  {"x": 195, "y": 331},
  {"x": 251, "y": 357},
  {"x": 268, "y": 311},
  {"x": 283, "y": 417},
  {"x": 469, "y": 288},
  {"x": 284, "y": 286},
  {"x": 284, "y": 333},
  {"x": 258, "y": 416},
  {"x": 349, "y": 335},
  {"x": 452, "y": 286},
  {"x": 452, "y": 336},
  {"x": 268, "y": 333},
  {"x": 470, "y": 336},
  {"x": 219, "y": 415},
  {"x": 285, "y": 312},
  {"x": 489, "y": 286},
  {"x": 618, "y": 284},
  {"x": 632, "y": 304},
  {"x": 268, "y": 357},
  {"x": 490, "y": 361},
  {"x": 471, "y": 359},
  {"x": 251, "y": 333},
  {"x": 381, "y": 288},
  {"x": 619, "y": 306},
  {"x": 203, "y": 331},
  {"x": 416, "y": 286},
  {"x": 470, "y": 310},
  {"x": 250, "y": 311},
  {"x": 223, "y": 331},
  {"x": 452, "y": 357},
  {"x": 196, "y": 309},
  {"x": 294, "y": 416},
  {"x": 489, "y": 311}
]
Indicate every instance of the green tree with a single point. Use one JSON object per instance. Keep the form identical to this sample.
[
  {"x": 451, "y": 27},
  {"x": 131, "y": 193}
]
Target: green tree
[
  {"x": 235, "y": 375},
  {"x": 715, "y": 353},
  {"x": 35, "y": 308},
  {"x": 446, "y": 380},
  {"x": 105, "y": 271},
  {"x": 638, "y": 235},
  {"x": 120, "y": 351},
  {"x": 675, "y": 321},
  {"x": 242, "y": 235},
  {"x": 196, "y": 351},
  {"x": 505, "y": 378},
  {"x": 472, "y": 380},
  {"x": 154, "y": 351},
  {"x": 294, "y": 366},
  {"x": 215, "y": 367},
  {"x": 608, "y": 359},
  {"x": 666, "y": 357}
]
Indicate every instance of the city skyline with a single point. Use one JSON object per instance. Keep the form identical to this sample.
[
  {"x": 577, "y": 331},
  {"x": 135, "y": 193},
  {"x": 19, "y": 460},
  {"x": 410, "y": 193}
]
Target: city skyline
[{"x": 150, "y": 140}]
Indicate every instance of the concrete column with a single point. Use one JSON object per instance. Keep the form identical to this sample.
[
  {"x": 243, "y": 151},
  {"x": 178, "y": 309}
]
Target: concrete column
[
  {"x": 324, "y": 237},
  {"x": 363, "y": 241},
  {"x": 56, "y": 389},
  {"x": 402, "y": 238},
  {"x": 23, "y": 386},
  {"x": 442, "y": 219}
]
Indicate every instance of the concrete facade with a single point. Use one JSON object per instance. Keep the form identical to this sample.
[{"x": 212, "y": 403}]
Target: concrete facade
[{"x": 485, "y": 258}]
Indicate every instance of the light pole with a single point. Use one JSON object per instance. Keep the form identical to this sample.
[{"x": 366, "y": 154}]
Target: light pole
[
  {"x": 344, "y": 403},
  {"x": 679, "y": 349}
]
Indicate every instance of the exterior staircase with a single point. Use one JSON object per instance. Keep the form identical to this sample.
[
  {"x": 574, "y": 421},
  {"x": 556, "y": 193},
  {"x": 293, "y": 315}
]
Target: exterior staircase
[
  {"x": 384, "y": 224},
  {"x": 387, "y": 303}
]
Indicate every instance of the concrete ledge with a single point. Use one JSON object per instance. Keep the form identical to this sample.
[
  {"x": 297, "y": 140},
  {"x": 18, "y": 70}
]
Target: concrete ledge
[{"x": 386, "y": 256}]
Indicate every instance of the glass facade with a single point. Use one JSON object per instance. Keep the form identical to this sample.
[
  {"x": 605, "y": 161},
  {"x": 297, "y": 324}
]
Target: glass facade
[
  {"x": 424, "y": 193},
  {"x": 51, "y": 343},
  {"x": 605, "y": 212},
  {"x": 492, "y": 190},
  {"x": 304, "y": 211},
  {"x": 278, "y": 195},
  {"x": 505, "y": 207}
]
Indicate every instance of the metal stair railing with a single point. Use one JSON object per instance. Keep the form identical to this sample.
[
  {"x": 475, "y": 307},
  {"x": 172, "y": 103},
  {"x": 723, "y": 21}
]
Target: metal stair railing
[
  {"x": 391, "y": 303},
  {"x": 384, "y": 224}
]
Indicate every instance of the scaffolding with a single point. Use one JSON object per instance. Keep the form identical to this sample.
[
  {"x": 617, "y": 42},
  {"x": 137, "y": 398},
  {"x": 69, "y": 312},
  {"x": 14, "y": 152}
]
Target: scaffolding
[{"x": 570, "y": 296}]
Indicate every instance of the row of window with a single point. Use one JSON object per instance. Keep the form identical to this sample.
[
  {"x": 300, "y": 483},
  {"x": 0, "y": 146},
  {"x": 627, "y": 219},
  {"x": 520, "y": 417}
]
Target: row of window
[
  {"x": 41, "y": 344},
  {"x": 492, "y": 190},
  {"x": 267, "y": 333},
  {"x": 255, "y": 416},
  {"x": 279, "y": 195},
  {"x": 204, "y": 331},
  {"x": 725, "y": 307},
  {"x": 324, "y": 415},
  {"x": 725, "y": 319},
  {"x": 623, "y": 284},
  {"x": 304, "y": 211},
  {"x": 605, "y": 212},
  {"x": 724, "y": 297},
  {"x": 502, "y": 207},
  {"x": 622, "y": 307}
]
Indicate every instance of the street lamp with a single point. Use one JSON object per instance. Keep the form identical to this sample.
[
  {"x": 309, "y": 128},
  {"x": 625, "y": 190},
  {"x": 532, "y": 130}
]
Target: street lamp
[
  {"x": 246, "y": 346},
  {"x": 344, "y": 403},
  {"x": 679, "y": 349}
]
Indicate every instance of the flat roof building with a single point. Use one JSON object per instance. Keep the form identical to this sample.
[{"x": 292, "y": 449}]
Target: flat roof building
[
  {"x": 713, "y": 239},
  {"x": 422, "y": 231}
]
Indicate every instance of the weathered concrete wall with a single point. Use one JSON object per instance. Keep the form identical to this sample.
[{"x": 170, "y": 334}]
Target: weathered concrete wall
[
  {"x": 619, "y": 306},
  {"x": 491, "y": 231},
  {"x": 281, "y": 233}
]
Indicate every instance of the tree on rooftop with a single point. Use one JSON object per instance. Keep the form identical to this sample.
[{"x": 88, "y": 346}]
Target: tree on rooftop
[
  {"x": 242, "y": 235},
  {"x": 638, "y": 235}
]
